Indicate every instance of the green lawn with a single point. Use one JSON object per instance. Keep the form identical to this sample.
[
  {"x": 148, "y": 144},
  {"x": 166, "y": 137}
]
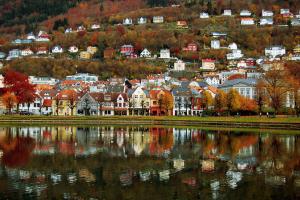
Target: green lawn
[{"x": 250, "y": 119}]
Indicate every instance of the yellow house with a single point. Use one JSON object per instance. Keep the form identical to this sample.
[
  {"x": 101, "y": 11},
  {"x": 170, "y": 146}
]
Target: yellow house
[
  {"x": 92, "y": 50},
  {"x": 297, "y": 49},
  {"x": 85, "y": 55},
  {"x": 64, "y": 104}
]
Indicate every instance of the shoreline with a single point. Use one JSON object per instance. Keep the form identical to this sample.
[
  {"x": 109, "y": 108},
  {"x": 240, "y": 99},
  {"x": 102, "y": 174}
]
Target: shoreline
[{"x": 290, "y": 123}]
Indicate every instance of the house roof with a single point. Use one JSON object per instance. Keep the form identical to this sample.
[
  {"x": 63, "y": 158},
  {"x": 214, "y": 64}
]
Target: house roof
[{"x": 231, "y": 83}]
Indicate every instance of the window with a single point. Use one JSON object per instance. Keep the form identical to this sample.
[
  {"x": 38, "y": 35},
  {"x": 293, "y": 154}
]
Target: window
[
  {"x": 154, "y": 102},
  {"x": 242, "y": 91}
]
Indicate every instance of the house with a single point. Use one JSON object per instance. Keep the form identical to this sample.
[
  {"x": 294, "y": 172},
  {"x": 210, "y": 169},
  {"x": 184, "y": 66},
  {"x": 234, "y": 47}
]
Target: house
[
  {"x": 2, "y": 55},
  {"x": 267, "y": 13},
  {"x": 1, "y": 65},
  {"x": 179, "y": 65},
  {"x": 139, "y": 101},
  {"x": 182, "y": 24},
  {"x": 295, "y": 22},
  {"x": 31, "y": 36},
  {"x": 127, "y": 21},
  {"x": 89, "y": 104},
  {"x": 215, "y": 44},
  {"x": 274, "y": 51},
  {"x": 73, "y": 49},
  {"x": 64, "y": 103},
  {"x": 158, "y": 19},
  {"x": 42, "y": 37},
  {"x": 142, "y": 20},
  {"x": 191, "y": 47},
  {"x": 212, "y": 80},
  {"x": 234, "y": 55},
  {"x": 57, "y": 49},
  {"x": 109, "y": 53},
  {"x": 161, "y": 102},
  {"x": 127, "y": 49},
  {"x": 17, "y": 41},
  {"x": 26, "y": 52},
  {"x": 85, "y": 77},
  {"x": 204, "y": 15},
  {"x": 266, "y": 21},
  {"x": 247, "y": 21},
  {"x": 208, "y": 64},
  {"x": 80, "y": 29},
  {"x": 34, "y": 107},
  {"x": 68, "y": 30},
  {"x": 245, "y": 13},
  {"x": 43, "y": 80},
  {"x": 165, "y": 54},
  {"x": 92, "y": 50},
  {"x": 145, "y": 54},
  {"x": 14, "y": 53},
  {"x": 227, "y": 13},
  {"x": 84, "y": 55},
  {"x": 232, "y": 46},
  {"x": 246, "y": 87},
  {"x": 218, "y": 34},
  {"x": 284, "y": 11},
  {"x": 41, "y": 50},
  {"x": 95, "y": 27}
]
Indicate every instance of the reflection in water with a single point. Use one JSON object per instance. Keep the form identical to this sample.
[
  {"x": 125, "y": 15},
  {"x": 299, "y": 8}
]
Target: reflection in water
[{"x": 108, "y": 162}]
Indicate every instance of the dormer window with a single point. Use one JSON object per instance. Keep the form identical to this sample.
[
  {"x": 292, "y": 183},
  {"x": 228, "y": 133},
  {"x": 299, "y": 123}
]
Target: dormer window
[{"x": 107, "y": 98}]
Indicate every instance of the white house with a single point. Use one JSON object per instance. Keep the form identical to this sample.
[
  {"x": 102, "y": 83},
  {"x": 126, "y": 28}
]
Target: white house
[
  {"x": 274, "y": 51},
  {"x": 14, "y": 53},
  {"x": 158, "y": 19},
  {"x": 284, "y": 11},
  {"x": 139, "y": 101},
  {"x": 42, "y": 51},
  {"x": 69, "y": 30},
  {"x": 212, "y": 80},
  {"x": 208, "y": 64},
  {"x": 295, "y": 22},
  {"x": 234, "y": 55},
  {"x": 165, "y": 53},
  {"x": 232, "y": 46},
  {"x": 245, "y": 13},
  {"x": 57, "y": 49},
  {"x": 142, "y": 20},
  {"x": 42, "y": 80},
  {"x": 227, "y": 13},
  {"x": 145, "y": 54},
  {"x": 215, "y": 44},
  {"x": 26, "y": 52},
  {"x": 2, "y": 55},
  {"x": 31, "y": 36},
  {"x": 246, "y": 87},
  {"x": 247, "y": 21},
  {"x": 127, "y": 21},
  {"x": 73, "y": 49},
  {"x": 267, "y": 13},
  {"x": 179, "y": 65},
  {"x": 90, "y": 78},
  {"x": 204, "y": 15},
  {"x": 34, "y": 108},
  {"x": 80, "y": 28},
  {"x": 266, "y": 21},
  {"x": 95, "y": 26}
]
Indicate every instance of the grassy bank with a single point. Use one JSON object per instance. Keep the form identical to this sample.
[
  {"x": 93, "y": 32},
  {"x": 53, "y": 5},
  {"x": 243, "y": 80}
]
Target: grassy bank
[{"x": 280, "y": 122}]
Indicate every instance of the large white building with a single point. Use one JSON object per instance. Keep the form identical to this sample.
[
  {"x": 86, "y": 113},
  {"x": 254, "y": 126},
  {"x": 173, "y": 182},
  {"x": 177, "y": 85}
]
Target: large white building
[
  {"x": 246, "y": 87},
  {"x": 83, "y": 77},
  {"x": 165, "y": 53},
  {"x": 42, "y": 80},
  {"x": 274, "y": 51}
]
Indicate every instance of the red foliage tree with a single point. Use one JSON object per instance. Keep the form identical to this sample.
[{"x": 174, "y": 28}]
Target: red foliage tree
[
  {"x": 18, "y": 84},
  {"x": 236, "y": 76}
]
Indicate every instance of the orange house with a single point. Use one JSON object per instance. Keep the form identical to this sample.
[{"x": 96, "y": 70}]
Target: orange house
[{"x": 161, "y": 102}]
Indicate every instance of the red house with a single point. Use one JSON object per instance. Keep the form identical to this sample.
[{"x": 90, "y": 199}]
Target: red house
[
  {"x": 127, "y": 49},
  {"x": 191, "y": 47}
]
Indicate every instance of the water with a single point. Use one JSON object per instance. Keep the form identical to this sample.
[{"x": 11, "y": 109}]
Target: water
[{"x": 108, "y": 162}]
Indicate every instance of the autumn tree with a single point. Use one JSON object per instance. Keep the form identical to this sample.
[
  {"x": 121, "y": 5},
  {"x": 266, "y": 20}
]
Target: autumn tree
[
  {"x": 294, "y": 93},
  {"x": 220, "y": 101},
  {"x": 207, "y": 99},
  {"x": 276, "y": 87},
  {"x": 260, "y": 95},
  {"x": 9, "y": 100},
  {"x": 233, "y": 100},
  {"x": 167, "y": 102},
  {"x": 19, "y": 84}
]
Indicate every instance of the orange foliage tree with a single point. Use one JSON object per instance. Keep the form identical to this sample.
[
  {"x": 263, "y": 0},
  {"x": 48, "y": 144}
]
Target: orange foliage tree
[{"x": 9, "y": 100}]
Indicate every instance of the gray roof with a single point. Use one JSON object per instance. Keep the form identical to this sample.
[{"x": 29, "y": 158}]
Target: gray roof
[{"x": 231, "y": 83}]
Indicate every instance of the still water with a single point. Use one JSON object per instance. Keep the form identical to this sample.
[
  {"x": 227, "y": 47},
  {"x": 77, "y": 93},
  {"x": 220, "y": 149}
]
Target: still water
[{"x": 108, "y": 162}]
